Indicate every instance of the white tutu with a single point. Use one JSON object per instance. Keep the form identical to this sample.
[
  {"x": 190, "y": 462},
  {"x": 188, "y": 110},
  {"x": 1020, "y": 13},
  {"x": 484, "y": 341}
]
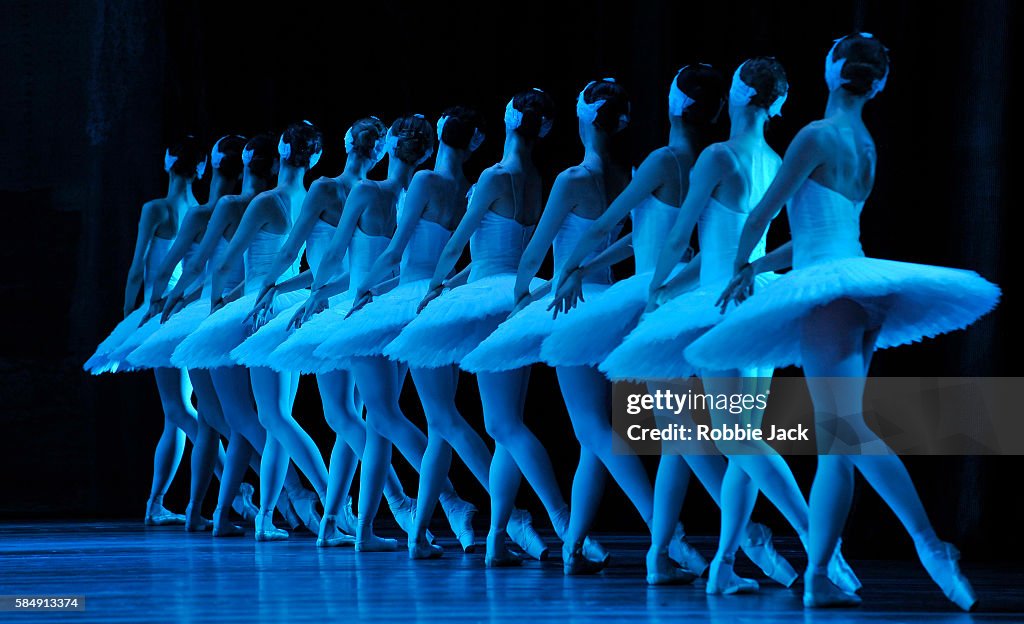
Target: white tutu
[
  {"x": 101, "y": 361},
  {"x": 296, "y": 353},
  {"x": 256, "y": 349},
  {"x": 597, "y": 326},
  {"x": 370, "y": 329},
  {"x": 456, "y": 322},
  {"x": 123, "y": 352},
  {"x": 909, "y": 301},
  {"x": 654, "y": 350},
  {"x": 156, "y": 350},
  {"x": 517, "y": 342},
  {"x": 210, "y": 345}
]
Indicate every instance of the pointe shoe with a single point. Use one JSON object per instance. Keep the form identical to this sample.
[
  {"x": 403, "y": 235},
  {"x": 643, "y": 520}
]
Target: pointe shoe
[
  {"x": 840, "y": 572},
  {"x": 661, "y": 570},
  {"x": 376, "y": 544},
  {"x": 196, "y": 523},
  {"x": 348, "y": 521},
  {"x": 498, "y": 555},
  {"x": 760, "y": 549},
  {"x": 460, "y": 518},
  {"x": 331, "y": 536},
  {"x": 821, "y": 593},
  {"x": 723, "y": 580},
  {"x": 522, "y": 533},
  {"x": 223, "y": 528},
  {"x": 680, "y": 551},
  {"x": 595, "y": 551},
  {"x": 941, "y": 560},
  {"x": 576, "y": 563},
  {"x": 284, "y": 507},
  {"x": 266, "y": 531},
  {"x": 157, "y": 515},
  {"x": 243, "y": 505},
  {"x": 304, "y": 505},
  {"x": 405, "y": 516},
  {"x": 422, "y": 549}
]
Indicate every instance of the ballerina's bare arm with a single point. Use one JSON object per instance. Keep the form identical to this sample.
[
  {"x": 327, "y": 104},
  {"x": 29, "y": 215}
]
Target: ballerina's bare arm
[
  {"x": 684, "y": 280},
  {"x": 741, "y": 285},
  {"x": 260, "y": 212},
  {"x": 188, "y": 231},
  {"x": 646, "y": 180},
  {"x": 804, "y": 155},
  {"x": 149, "y": 221},
  {"x": 491, "y": 186},
  {"x": 417, "y": 197},
  {"x": 224, "y": 215},
  {"x": 713, "y": 164},
  {"x": 317, "y": 201},
  {"x": 568, "y": 186}
]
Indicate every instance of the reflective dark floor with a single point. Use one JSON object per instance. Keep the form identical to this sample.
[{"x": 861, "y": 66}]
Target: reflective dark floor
[{"x": 129, "y": 573}]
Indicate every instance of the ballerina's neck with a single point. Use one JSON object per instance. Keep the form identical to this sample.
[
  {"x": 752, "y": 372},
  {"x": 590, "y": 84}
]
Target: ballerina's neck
[
  {"x": 252, "y": 185},
  {"x": 747, "y": 124},
  {"x": 219, "y": 187},
  {"x": 357, "y": 166},
  {"x": 842, "y": 102},
  {"x": 289, "y": 177},
  {"x": 682, "y": 135},
  {"x": 448, "y": 162},
  {"x": 516, "y": 150},
  {"x": 179, "y": 190}
]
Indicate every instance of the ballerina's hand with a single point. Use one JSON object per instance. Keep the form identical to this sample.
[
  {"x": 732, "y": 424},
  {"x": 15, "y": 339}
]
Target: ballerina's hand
[
  {"x": 739, "y": 288},
  {"x": 262, "y": 306},
  {"x": 156, "y": 306},
  {"x": 434, "y": 293},
  {"x": 360, "y": 303},
  {"x": 521, "y": 303},
  {"x": 569, "y": 293},
  {"x": 172, "y": 304}
]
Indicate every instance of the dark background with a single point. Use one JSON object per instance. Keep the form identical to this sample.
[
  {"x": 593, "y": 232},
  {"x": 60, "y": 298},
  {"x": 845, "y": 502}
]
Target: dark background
[{"x": 93, "y": 91}]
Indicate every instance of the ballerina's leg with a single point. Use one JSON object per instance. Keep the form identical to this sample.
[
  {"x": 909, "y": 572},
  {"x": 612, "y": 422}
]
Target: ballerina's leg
[
  {"x": 180, "y": 417},
  {"x": 206, "y": 448},
  {"x": 337, "y": 395}
]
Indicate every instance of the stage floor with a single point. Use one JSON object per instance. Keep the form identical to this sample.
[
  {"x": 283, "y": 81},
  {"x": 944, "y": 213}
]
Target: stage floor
[{"x": 130, "y": 573}]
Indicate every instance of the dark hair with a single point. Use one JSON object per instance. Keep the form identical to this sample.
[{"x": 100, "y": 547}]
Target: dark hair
[
  {"x": 365, "y": 134},
  {"x": 461, "y": 125},
  {"x": 705, "y": 85},
  {"x": 415, "y": 136},
  {"x": 305, "y": 140},
  {"x": 765, "y": 75},
  {"x": 536, "y": 107},
  {"x": 264, "y": 156},
  {"x": 867, "y": 60},
  {"x": 189, "y": 152},
  {"x": 616, "y": 103},
  {"x": 231, "y": 147}
]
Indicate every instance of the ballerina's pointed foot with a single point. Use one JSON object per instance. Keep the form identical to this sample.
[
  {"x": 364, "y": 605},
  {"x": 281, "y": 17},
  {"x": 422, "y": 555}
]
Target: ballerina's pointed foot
[
  {"x": 680, "y": 551},
  {"x": 420, "y": 548},
  {"x": 243, "y": 505},
  {"x": 760, "y": 549},
  {"x": 460, "y": 518},
  {"x": 724, "y": 581},
  {"x": 158, "y": 515},
  {"x": 195, "y": 522},
  {"x": 348, "y": 522},
  {"x": 405, "y": 515},
  {"x": 942, "y": 561},
  {"x": 821, "y": 593},
  {"x": 498, "y": 555},
  {"x": 331, "y": 535},
  {"x": 223, "y": 527},
  {"x": 522, "y": 533},
  {"x": 304, "y": 505},
  {"x": 372, "y": 543},
  {"x": 840, "y": 572},
  {"x": 595, "y": 551},
  {"x": 575, "y": 562},
  {"x": 662, "y": 570},
  {"x": 267, "y": 532}
]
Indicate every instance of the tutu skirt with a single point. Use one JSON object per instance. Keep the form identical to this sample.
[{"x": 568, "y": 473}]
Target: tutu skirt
[
  {"x": 517, "y": 342},
  {"x": 654, "y": 350},
  {"x": 156, "y": 350},
  {"x": 123, "y": 352},
  {"x": 456, "y": 322},
  {"x": 296, "y": 352},
  {"x": 905, "y": 301},
  {"x": 369, "y": 330},
  {"x": 101, "y": 361},
  {"x": 256, "y": 349},
  {"x": 596, "y": 327},
  {"x": 210, "y": 345}
]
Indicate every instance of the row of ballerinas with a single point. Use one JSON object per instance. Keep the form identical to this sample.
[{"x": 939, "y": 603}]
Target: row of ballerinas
[{"x": 224, "y": 300}]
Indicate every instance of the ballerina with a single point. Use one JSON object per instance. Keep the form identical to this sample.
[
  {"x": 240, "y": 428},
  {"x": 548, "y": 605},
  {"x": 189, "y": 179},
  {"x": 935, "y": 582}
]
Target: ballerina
[
  {"x": 158, "y": 227},
  {"x": 262, "y": 230},
  {"x": 579, "y": 196},
  {"x": 433, "y": 207},
  {"x": 727, "y": 180},
  {"x": 835, "y": 308},
  {"x": 315, "y": 227},
  {"x": 366, "y": 228},
  {"x": 586, "y": 337},
  {"x": 207, "y": 452},
  {"x": 502, "y": 213}
]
